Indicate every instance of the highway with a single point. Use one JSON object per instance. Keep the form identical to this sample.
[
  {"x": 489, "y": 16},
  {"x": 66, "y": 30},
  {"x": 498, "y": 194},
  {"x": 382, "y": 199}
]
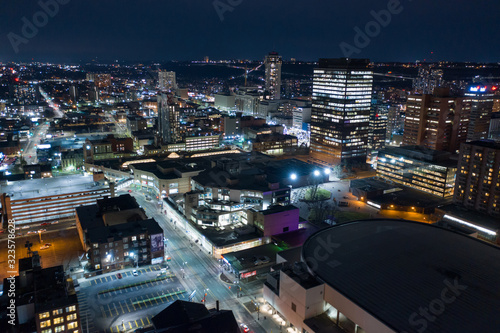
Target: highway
[{"x": 200, "y": 270}]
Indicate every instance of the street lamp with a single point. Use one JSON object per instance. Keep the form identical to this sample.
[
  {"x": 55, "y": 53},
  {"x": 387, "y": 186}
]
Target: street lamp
[
  {"x": 132, "y": 255},
  {"x": 293, "y": 176},
  {"x": 316, "y": 173}
]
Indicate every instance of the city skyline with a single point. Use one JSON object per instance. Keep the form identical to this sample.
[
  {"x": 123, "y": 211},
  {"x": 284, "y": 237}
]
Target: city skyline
[{"x": 70, "y": 31}]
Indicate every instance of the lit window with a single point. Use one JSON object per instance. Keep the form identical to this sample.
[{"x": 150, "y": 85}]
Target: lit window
[
  {"x": 71, "y": 317},
  {"x": 44, "y": 323},
  {"x": 59, "y": 329},
  {"x": 57, "y": 312},
  {"x": 73, "y": 325},
  {"x": 44, "y": 315},
  {"x": 71, "y": 308}
]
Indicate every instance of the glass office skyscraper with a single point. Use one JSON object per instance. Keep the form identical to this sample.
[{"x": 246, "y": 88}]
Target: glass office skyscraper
[{"x": 341, "y": 102}]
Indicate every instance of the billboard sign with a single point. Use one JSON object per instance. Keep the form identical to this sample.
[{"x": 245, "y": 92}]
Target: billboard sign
[{"x": 156, "y": 242}]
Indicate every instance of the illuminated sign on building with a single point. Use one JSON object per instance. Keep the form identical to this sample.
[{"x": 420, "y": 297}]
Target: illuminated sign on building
[
  {"x": 482, "y": 89},
  {"x": 245, "y": 275}
]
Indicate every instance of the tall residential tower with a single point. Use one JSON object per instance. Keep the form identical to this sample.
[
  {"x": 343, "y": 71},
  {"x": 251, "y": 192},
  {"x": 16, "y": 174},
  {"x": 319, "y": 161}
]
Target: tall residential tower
[
  {"x": 341, "y": 103},
  {"x": 167, "y": 81},
  {"x": 168, "y": 119},
  {"x": 273, "y": 63},
  {"x": 438, "y": 121}
]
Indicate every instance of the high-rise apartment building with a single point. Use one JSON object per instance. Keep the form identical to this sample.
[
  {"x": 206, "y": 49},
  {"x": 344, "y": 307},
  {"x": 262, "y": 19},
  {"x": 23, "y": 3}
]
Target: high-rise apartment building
[
  {"x": 479, "y": 100},
  {"x": 273, "y": 62},
  {"x": 341, "y": 104},
  {"x": 478, "y": 177},
  {"x": 428, "y": 79},
  {"x": 168, "y": 119},
  {"x": 378, "y": 122},
  {"x": 438, "y": 121},
  {"x": 167, "y": 81},
  {"x": 395, "y": 120}
]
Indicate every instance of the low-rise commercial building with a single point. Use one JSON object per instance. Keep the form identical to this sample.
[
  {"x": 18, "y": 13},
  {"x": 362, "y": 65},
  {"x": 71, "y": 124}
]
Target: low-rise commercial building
[
  {"x": 420, "y": 168},
  {"x": 275, "y": 220},
  {"x": 275, "y": 144},
  {"x": 166, "y": 178}
]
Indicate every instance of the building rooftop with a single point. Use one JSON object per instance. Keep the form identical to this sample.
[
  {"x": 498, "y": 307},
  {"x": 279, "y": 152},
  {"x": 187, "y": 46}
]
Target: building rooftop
[
  {"x": 371, "y": 184},
  {"x": 298, "y": 272},
  {"x": 278, "y": 209},
  {"x": 246, "y": 259},
  {"x": 485, "y": 143},
  {"x": 394, "y": 268},
  {"x": 422, "y": 154},
  {"x": 118, "y": 231},
  {"x": 182, "y": 316},
  {"x": 33, "y": 188},
  {"x": 172, "y": 169},
  {"x": 410, "y": 197},
  {"x": 472, "y": 216},
  {"x": 123, "y": 207}
]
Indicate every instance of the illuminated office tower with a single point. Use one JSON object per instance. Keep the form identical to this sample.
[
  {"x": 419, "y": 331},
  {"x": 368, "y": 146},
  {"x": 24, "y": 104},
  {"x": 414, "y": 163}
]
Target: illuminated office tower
[
  {"x": 167, "y": 81},
  {"x": 438, "y": 121},
  {"x": 273, "y": 63},
  {"x": 168, "y": 119},
  {"x": 341, "y": 103},
  {"x": 479, "y": 101}
]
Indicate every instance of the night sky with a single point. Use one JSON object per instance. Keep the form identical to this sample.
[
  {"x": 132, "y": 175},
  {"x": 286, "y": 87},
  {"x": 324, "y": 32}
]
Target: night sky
[{"x": 161, "y": 30}]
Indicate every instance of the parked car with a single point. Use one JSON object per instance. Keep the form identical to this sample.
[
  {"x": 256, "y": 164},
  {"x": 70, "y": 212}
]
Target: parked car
[
  {"x": 244, "y": 328},
  {"x": 343, "y": 204},
  {"x": 44, "y": 223},
  {"x": 135, "y": 273},
  {"x": 119, "y": 275}
]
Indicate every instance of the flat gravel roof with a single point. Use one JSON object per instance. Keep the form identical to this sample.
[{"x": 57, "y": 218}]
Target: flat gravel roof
[{"x": 397, "y": 269}]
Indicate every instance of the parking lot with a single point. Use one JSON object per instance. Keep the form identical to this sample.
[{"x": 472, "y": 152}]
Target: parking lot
[{"x": 115, "y": 304}]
